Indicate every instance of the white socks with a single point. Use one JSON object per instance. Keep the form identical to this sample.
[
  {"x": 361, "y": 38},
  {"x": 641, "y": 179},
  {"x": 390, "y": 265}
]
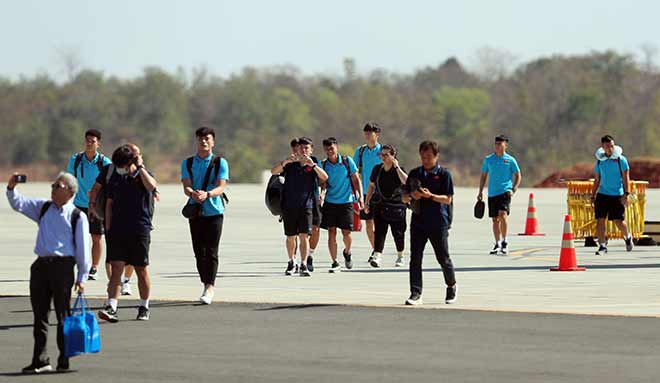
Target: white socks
[
  {"x": 113, "y": 303},
  {"x": 144, "y": 302}
]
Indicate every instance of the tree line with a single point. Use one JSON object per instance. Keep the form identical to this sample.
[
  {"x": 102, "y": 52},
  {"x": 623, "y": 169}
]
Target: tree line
[{"x": 553, "y": 108}]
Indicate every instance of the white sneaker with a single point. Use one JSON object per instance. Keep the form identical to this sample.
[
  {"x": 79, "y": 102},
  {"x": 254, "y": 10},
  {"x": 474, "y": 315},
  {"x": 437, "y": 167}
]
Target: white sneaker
[
  {"x": 414, "y": 300},
  {"x": 207, "y": 296},
  {"x": 375, "y": 260},
  {"x": 126, "y": 288},
  {"x": 399, "y": 261}
]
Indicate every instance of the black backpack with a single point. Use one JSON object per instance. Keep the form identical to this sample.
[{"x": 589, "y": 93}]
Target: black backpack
[
  {"x": 75, "y": 216},
  {"x": 78, "y": 160}
]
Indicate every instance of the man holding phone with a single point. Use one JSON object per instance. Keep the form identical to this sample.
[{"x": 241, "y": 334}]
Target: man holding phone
[
  {"x": 86, "y": 166},
  {"x": 62, "y": 242}
]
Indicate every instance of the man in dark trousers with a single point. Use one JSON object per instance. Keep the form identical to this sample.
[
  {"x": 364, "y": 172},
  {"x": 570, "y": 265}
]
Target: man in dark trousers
[
  {"x": 62, "y": 242},
  {"x": 431, "y": 185}
]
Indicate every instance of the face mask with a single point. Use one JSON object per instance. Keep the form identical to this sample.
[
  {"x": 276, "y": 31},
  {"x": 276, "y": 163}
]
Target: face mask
[{"x": 122, "y": 171}]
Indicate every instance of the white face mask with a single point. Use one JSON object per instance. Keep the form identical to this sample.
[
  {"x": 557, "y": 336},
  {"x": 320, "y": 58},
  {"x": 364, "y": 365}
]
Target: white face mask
[{"x": 122, "y": 171}]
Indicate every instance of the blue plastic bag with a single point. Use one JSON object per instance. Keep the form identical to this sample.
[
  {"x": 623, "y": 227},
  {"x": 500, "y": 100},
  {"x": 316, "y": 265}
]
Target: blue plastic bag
[{"x": 81, "y": 330}]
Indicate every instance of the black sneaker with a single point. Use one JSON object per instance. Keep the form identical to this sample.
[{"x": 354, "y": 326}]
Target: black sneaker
[
  {"x": 310, "y": 264},
  {"x": 496, "y": 249},
  {"x": 503, "y": 249},
  {"x": 335, "y": 267},
  {"x": 602, "y": 250},
  {"x": 450, "y": 297},
  {"x": 629, "y": 243},
  {"x": 348, "y": 262},
  {"x": 143, "y": 313},
  {"x": 108, "y": 314},
  {"x": 303, "y": 271},
  {"x": 37, "y": 368},
  {"x": 92, "y": 274},
  {"x": 290, "y": 267},
  {"x": 62, "y": 365},
  {"x": 414, "y": 300}
]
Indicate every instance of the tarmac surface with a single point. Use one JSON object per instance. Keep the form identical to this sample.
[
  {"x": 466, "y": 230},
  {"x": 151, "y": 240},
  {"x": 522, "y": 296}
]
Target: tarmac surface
[
  {"x": 253, "y": 259},
  {"x": 187, "y": 342}
]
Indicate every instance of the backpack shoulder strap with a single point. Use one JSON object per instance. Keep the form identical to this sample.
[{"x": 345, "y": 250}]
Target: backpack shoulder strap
[
  {"x": 189, "y": 164},
  {"x": 76, "y": 163},
  {"x": 44, "y": 209},
  {"x": 99, "y": 163},
  {"x": 216, "y": 164},
  {"x": 75, "y": 216},
  {"x": 111, "y": 170},
  {"x": 323, "y": 164},
  {"x": 362, "y": 149}
]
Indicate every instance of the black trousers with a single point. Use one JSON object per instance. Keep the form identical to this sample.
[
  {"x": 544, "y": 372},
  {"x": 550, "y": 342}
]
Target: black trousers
[
  {"x": 51, "y": 278},
  {"x": 205, "y": 233},
  {"x": 440, "y": 243},
  {"x": 380, "y": 233}
]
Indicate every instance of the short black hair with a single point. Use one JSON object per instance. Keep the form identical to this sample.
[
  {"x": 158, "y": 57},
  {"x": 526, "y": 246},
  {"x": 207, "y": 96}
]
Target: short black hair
[
  {"x": 329, "y": 141},
  {"x": 606, "y": 138},
  {"x": 204, "y": 131},
  {"x": 93, "y": 133},
  {"x": 371, "y": 127},
  {"x": 501, "y": 138},
  {"x": 429, "y": 145},
  {"x": 305, "y": 141},
  {"x": 390, "y": 148},
  {"x": 122, "y": 156},
  {"x": 294, "y": 143}
]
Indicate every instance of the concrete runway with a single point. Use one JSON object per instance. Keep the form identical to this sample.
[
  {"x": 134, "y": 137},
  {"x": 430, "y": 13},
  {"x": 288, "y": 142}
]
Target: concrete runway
[
  {"x": 185, "y": 342},
  {"x": 253, "y": 261}
]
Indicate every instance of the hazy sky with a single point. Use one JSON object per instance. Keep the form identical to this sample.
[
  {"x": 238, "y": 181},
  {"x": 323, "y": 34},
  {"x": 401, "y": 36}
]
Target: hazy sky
[{"x": 121, "y": 37}]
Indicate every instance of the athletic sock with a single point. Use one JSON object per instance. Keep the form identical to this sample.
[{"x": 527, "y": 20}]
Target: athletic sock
[
  {"x": 499, "y": 243},
  {"x": 144, "y": 302},
  {"x": 113, "y": 303}
]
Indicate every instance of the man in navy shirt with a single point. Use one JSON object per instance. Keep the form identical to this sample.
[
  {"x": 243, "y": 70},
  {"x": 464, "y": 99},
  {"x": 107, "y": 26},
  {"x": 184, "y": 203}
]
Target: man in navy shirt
[
  {"x": 432, "y": 186},
  {"x": 86, "y": 166},
  {"x": 128, "y": 215},
  {"x": 301, "y": 177}
]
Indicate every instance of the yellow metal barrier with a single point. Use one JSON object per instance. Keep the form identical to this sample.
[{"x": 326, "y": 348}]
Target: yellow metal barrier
[{"x": 582, "y": 211}]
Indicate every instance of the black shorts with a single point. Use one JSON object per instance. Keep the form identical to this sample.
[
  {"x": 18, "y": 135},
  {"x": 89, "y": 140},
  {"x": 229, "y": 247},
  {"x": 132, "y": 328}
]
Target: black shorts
[
  {"x": 133, "y": 249},
  {"x": 337, "y": 215},
  {"x": 610, "y": 207},
  {"x": 297, "y": 221},
  {"x": 499, "y": 203},
  {"x": 364, "y": 216},
  {"x": 95, "y": 224},
  {"x": 316, "y": 213}
]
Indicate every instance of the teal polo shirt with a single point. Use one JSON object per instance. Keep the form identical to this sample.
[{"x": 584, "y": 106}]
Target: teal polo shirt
[
  {"x": 214, "y": 205},
  {"x": 370, "y": 158},
  {"x": 500, "y": 173},
  {"x": 611, "y": 179},
  {"x": 338, "y": 189},
  {"x": 86, "y": 174}
]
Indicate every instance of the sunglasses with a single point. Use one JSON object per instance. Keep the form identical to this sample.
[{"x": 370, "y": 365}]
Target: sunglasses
[{"x": 58, "y": 185}]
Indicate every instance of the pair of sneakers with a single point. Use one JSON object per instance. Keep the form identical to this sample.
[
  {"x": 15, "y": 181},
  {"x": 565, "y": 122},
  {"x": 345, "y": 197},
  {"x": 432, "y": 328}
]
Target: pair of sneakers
[
  {"x": 416, "y": 299},
  {"x": 500, "y": 248},
  {"x": 302, "y": 269},
  {"x": 602, "y": 248},
  {"x": 335, "y": 267},
  {"x": 111, "y": 315},
  {"x": 376, "y": 260}
]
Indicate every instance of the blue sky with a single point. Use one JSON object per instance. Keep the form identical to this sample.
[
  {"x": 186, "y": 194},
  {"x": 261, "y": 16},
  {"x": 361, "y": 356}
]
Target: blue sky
[{"x": 122, "y": 37}]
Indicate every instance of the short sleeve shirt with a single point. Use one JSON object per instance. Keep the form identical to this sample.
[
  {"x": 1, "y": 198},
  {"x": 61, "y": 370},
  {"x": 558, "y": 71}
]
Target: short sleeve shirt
[
  {"x": 214, "y": 205},
  {"x": 300, "y": 183},
  {"x": 338, "y": 186},
  {"x": 370, "y": 158},
  {"x": 611, "y": 181},
  {"x": 86, "y": 173},
  {"x": 500, "y": 171},
  {"x": 131, "y": 204},
  {"x": 434, "y": 215},
  {"x": 389, "y": 183}
]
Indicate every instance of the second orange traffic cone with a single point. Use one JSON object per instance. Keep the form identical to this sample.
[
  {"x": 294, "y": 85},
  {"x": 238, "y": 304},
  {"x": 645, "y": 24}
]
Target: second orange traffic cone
[
  {"x": 531, "y": 224},
  {"x": 567, "y": 260}
]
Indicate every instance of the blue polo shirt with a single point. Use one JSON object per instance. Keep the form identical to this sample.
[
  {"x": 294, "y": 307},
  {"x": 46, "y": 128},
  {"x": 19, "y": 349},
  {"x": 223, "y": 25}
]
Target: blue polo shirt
[
  {"x": 370, "y": 158},
  {"x": 500, "y": 173},
  {"x": 338, "y": 186},
  {"x": 214, "y": 205},
  {"x": 611, "y": 181},
  {"x": 433, "y": 215},
  {"x": 86, "y": 174}
]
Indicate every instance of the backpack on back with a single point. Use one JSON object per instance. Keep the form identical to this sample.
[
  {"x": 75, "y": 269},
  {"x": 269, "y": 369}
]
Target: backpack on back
[{"x": 75, "y": 216}]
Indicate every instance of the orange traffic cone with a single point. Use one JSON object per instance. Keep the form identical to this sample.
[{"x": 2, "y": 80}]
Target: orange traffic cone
[
  {"x": 567, "y": 260},
  {"x": 532, "y": 224}
]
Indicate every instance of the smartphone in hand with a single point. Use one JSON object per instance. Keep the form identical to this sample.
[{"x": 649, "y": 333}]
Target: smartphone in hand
[{"x": 20, "y": 178}]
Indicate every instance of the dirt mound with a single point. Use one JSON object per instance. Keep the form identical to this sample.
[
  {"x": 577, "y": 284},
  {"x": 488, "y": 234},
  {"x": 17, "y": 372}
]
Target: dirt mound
[{"x": 640, "y": 170}]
